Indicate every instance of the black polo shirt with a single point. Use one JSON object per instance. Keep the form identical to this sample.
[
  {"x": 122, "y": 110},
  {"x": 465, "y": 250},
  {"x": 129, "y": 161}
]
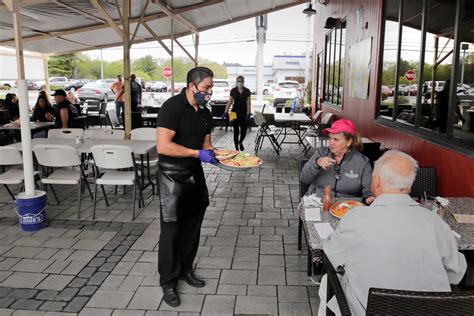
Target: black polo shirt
[
  {"x": 240, "y": 101},
  {"x": 71, "y": 111},
  {"x": 190, "y": 126}
]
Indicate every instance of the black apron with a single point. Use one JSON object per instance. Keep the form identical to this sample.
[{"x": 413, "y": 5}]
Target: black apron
[{"x": 182, "y": 191}]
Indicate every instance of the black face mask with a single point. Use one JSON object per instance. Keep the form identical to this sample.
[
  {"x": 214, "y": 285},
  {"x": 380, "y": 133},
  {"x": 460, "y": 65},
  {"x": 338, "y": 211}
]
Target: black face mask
[{"x": 201, "y": 97}]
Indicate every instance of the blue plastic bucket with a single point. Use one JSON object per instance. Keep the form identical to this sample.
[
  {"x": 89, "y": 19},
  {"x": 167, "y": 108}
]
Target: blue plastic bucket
[{"x": 31, "y": 211}]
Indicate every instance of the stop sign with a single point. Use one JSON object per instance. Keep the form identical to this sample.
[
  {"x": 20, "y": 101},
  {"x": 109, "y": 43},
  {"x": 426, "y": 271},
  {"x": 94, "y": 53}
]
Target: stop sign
[
  {"x": 167, "y": 72},
  {"x": 410, "y": 75}
]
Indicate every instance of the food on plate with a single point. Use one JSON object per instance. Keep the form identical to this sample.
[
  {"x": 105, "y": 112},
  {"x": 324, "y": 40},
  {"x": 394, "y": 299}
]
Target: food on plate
[
  {"x": 242, "y": 160},
  {"x": 225, "y": 153},
  {"x": 339, "y": 209}
]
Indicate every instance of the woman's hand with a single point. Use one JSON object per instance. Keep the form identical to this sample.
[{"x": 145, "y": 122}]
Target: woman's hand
[{"x": 325, "y": 162}]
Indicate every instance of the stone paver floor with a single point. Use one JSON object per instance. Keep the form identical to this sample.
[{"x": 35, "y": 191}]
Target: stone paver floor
[{"x": 108, "y": 266}]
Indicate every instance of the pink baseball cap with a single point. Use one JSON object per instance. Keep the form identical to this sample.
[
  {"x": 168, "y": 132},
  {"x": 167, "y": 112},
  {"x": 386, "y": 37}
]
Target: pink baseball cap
[{"x": 341, "y": 126}]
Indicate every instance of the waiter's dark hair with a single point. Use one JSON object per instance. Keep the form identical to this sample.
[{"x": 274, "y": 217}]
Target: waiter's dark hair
[{"x": 198, "y": 74}]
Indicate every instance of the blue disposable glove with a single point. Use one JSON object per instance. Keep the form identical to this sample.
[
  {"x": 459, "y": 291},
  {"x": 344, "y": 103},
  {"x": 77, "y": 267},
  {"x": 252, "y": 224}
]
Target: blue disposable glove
[
  {"x": 248, "y": 117},
  {"x": 207, "y": 156},
  {"x": 225, "y": 115}
]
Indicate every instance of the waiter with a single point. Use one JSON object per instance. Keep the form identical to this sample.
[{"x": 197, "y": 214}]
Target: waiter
[{"x": 183, "y": 142}]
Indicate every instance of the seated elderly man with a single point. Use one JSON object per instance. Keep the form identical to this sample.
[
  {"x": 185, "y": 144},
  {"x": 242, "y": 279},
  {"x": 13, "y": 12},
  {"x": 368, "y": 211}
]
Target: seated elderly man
[{"x": 394, "y": 243}]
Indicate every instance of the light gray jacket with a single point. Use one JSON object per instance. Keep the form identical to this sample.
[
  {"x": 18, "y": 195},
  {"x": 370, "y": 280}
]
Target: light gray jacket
[{"x": 355, "y": 170}]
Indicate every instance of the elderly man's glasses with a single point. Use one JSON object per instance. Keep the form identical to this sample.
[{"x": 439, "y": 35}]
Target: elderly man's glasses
[{"x": 337, "y": 172}]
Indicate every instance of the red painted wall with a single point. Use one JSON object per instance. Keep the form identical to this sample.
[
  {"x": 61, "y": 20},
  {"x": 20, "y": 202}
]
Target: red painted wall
[{"x": 455, "y": 171}]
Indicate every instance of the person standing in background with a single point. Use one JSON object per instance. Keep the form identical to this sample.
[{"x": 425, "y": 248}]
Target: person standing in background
[
  {"x": 136, "y": 93},
  {"x": 240, "y": 114},
  {"x": 117, "y": 89}
]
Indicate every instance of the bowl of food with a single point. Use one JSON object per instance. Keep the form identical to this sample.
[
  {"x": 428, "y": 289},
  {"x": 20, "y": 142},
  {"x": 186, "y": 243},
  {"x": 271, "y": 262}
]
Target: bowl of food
[{"x": 340, "y": 208}]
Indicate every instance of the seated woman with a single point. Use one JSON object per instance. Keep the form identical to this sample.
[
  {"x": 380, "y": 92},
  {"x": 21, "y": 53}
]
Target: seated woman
[
  {"x": 43, "y": 110},
  {"x": 341, "y": 165},
  {"x": 11, "y": 104}
]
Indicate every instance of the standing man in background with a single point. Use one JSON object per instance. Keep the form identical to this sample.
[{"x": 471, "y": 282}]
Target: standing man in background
[
  {"x": 240, "y": 114},
  {"x": 136, "y": 93},
  {"x": 183, "y": 138},
  {"x": 117, "y": 89}
]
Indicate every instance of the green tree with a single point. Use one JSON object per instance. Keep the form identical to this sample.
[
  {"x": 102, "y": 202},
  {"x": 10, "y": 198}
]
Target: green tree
[
  {"x": 146, "y": 64},
  {"x": 62, "y": 65}
]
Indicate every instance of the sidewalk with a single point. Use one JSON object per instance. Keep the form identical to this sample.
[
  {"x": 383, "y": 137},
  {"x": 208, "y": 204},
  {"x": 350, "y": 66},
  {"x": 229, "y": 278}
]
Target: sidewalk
[{"x": 248, "y": 253}]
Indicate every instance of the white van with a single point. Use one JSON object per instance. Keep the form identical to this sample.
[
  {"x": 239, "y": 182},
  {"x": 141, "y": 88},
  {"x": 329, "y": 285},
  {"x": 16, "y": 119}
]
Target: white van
[{"x": 427, "y": 87}]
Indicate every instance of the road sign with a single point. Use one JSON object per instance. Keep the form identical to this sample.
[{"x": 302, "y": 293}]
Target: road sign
[
  {"x": 410, "y": 75},
  {"x": 167, "y": 72}
]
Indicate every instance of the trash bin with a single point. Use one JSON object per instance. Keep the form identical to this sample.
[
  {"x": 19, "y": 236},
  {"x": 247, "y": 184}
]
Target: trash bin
[{"x": 31, "y": 211}]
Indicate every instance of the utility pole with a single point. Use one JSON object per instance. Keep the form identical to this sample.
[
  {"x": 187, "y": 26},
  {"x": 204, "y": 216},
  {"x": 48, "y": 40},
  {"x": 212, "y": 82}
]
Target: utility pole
[
  {"x": 464, "y": 48},
  {"x": 101, "y": 65},
  {"x": 261, "y": 23}
]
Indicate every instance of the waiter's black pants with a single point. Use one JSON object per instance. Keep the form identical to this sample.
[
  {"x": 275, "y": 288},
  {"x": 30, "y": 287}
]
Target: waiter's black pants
[
  {"x": 184, "y": 198},
  {"x": 179, "y": 242}
]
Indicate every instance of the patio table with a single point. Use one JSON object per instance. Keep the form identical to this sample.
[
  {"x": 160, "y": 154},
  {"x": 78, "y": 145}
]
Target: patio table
[
  {"x": 457, "y": 205},
  {"x": 34, "y": 126},
  {"x": 289, "y": 121}
]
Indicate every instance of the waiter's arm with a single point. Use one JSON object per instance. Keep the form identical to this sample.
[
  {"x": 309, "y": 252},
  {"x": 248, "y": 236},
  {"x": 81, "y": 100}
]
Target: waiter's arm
[
  {"x": 166, "y": 146},
  {"x": 207, "y": 142}
]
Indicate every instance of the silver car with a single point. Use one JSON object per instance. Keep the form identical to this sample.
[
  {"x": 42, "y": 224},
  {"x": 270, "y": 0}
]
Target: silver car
[{"x": 98, "y": 90}]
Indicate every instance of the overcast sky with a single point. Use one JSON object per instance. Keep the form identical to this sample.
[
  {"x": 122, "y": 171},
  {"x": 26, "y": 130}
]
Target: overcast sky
[{"x": 286, "y": 34}]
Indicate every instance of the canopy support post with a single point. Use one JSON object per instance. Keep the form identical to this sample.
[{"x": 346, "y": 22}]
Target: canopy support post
[{"x": 126, "y": 67}]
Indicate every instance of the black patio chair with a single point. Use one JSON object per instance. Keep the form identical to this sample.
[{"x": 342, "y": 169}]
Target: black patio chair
[
  {"x": 398, "y": 302},
  {"x": 425, "y": 183},
  {"x": 112, "y": 118},
  {"x": 334, "y": 287},
  {"x": 100, "y": 116}
]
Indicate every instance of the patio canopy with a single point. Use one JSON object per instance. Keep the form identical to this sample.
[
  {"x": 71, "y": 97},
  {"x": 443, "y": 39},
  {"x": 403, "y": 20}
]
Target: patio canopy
[{"x": 54, "y": 27}]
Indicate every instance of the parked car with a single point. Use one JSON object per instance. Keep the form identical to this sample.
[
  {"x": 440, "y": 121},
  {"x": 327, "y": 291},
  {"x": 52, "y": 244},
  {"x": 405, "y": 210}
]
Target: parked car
[
  {"x": 30, "y": 83},
  {"x": 268, "y": 88},
  {"x": 178, "y": 86},
  {"x": 158, "y": 86},
  {"x": 385, "y": 90},
  {"x": 98, "y": 90},
  {"x": 76, "y": 84},
  {"x": 53, "y": 81},
  {"x": 7, "y": 83},
  {"x": 286, "y": 90},
  {"x": 413, "y": 90},
  {"x": 427, "y": 87},
  {"x": 220, "y": 91},
  {"x": 403, "y": 89},
  {"x": 109, "y": 81}
]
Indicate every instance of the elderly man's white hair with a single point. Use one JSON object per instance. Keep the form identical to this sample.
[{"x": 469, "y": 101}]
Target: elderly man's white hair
[{"x": 390, "y": 178}]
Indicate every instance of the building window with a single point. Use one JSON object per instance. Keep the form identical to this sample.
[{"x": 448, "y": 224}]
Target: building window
[
  {"x": 423, "y": 51},
  {"x": 334, "y": 63}
]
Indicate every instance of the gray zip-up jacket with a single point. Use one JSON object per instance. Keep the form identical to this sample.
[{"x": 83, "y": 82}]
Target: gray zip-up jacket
[{"x": 355, "y": 171}]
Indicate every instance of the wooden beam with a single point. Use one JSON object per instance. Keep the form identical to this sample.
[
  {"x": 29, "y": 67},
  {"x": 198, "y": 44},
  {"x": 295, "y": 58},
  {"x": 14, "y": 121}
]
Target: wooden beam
[
  {"x": 157, "y": 38},
  {"x": 227, "y": 11},
  {"x": 126, "y": 67},
  {"x": 81, "y": 12},
  {"x": 185, "y": 51},
  {"x": 196, "y": 50},
  {"x": 24, "y": 3},
  {"x": 140, "y": 21},
  {"x": 107, "y": 17},
  {"x": 175, "y": 17},
  {"x": 147, "y": 18}
]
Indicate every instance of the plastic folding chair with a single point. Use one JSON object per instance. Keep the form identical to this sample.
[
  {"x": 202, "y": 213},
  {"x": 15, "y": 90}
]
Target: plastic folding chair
[
  {"x": 66, "y": 133},
  {"x": 149, "y": 134},
  {"x": 61, "y": 165},
  {"x": 112, "y": 134},
  {"x": 113, "y": 119},
  {"x": 10, "y": 156},
  {"x": 108, "y": 159}
]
